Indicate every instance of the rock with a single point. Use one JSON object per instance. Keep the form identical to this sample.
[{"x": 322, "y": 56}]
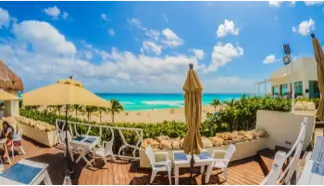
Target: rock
[
  {"x": 217, "y": 141},
  {"x": 162, "y": 138},
  {"x": 261, "y": 133},
  {"x": 206, "y": 142},
  {"x": 228, "y": 142},
  {"x": 166, "y": 145},
  {"x": 149, "y": 141},
  {"x": 176, "y": 143}
]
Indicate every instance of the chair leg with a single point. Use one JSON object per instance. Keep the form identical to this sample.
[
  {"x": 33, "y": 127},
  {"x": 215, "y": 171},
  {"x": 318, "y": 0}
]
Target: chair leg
[
  {"x": 225, "y": 173},
  {"x": 71, "y": 155},
  {"x": 113, "y": 157},
  {"x": 22, "y": 149},
  {"x": 169, "y": 175},
  {"x": 12, "y": 151},
  {"x": 105, "y": 160},
  {"x": 153, "y": 176}
]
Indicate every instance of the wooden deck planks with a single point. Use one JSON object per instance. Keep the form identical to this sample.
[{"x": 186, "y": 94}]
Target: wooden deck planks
[{"x": 121, "y": 172}]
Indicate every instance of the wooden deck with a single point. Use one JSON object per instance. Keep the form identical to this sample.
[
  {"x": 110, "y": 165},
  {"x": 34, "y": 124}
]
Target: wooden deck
[{"x": 243, "y": 172}]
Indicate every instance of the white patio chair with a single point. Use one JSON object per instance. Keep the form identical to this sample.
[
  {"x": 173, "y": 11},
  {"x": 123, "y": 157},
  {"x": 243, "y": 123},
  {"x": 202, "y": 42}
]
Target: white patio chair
[
  {"x": 105, "y": 150},
  {"x": 223, "y": 163},
  {"x": 1, "y": 166},
  {"x": 62, "y": 136},
  {"x": 163, "y": 166},
  {"x": 17, "y": 141}
]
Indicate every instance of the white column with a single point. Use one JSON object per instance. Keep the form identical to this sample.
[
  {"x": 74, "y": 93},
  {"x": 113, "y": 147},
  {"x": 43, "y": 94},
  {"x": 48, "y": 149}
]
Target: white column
[
  {"x": 305, "y": 86},
  {"x": 11, "y": 108}
]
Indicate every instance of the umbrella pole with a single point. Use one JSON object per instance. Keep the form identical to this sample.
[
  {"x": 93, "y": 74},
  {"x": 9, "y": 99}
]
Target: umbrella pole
[
  {"x": 191, "y": 182},
  {"x": 68, "y": 172}
]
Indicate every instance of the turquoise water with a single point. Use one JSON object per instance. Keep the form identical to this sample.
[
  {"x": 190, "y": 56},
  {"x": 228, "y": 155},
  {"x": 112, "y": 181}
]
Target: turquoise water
[{"x": 142, "y": 101}]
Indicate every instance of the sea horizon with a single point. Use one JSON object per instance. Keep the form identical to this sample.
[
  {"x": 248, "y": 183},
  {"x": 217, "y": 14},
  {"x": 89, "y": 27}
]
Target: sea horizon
[{"x": 158, "y": 101}]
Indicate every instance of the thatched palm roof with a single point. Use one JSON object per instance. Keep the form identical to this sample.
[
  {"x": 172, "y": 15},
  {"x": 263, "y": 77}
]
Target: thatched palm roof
[{"x": 9, "y": 80}]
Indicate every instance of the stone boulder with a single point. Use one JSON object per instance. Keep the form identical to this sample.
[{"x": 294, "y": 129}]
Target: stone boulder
[
  {"x": 166, "y": 144},
  {"x": 217, "y": 141},
  {"x": 176, "y": 143},
  {"x": 162, "y": 138},
  {"x": 206, "y": 142},
  {"x": 149, "y": 141}
]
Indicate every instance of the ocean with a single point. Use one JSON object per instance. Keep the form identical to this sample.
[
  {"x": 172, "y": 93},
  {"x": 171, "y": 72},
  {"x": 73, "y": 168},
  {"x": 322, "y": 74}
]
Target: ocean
[{"x": 148, "y": 101}]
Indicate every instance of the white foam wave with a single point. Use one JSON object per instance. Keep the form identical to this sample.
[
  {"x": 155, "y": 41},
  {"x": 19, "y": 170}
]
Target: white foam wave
[
  {"x": 127, "y": 103},
  {"x": 176, "y": 103}
]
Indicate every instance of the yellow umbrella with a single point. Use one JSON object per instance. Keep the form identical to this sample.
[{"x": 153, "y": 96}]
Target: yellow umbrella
[
  {"x": 318, "y": 52},
  {"x": 4, "y": 96},
  {"x": 63, "y": 93},
  {"x": 193, "y": 108}
]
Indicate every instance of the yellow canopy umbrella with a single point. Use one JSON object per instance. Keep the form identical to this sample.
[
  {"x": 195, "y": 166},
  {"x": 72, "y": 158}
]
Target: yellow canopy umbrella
[
  {"x": 193, "y": 108},
  {"x": 4, "y": 96},
  {"x": 63, "y": 93},
  {"x": 318, "y": 52}
]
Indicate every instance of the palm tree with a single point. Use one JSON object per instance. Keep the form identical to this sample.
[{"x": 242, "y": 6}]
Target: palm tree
[
  {"x": 215, "y": 103},
  {"x": 116, "y": 107},
  {"x": 58, "y": 108},
  {"x": 77, "y": 108},
  {"x": 102, "y": 109},
  {"x": 89, "y": 110}
]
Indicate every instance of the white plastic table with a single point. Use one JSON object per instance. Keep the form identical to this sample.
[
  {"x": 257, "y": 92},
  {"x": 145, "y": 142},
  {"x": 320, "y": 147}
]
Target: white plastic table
[
  {"x": 84, "y": 143},
  {"x": 181, "y": 160},
  {"x": 3, "y": 143},
  {"x": 26, "y": 172}
]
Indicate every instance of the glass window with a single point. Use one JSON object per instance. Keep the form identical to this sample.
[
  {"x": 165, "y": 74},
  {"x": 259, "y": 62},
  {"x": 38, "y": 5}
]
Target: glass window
[
  {"x": 284, "y": 89},
  {"x": 313, "y": 89},
  {"x": 275, "y": 90},
  {"x": 298, "y": 88}
]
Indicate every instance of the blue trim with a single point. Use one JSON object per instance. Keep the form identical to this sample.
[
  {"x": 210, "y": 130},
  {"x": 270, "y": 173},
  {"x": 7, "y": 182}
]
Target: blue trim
[{"x": 180, "y": 156}]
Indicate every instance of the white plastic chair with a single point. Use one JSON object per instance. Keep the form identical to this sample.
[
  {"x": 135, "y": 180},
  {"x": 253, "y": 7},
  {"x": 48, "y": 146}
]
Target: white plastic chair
[
  {"x": 105, "y": 150},
  {"x": 163, "y": 166},
  {"x": 63, "y": 136},
  {"x": 17, "y": 139},
  {"x": 223, "y": 163}
]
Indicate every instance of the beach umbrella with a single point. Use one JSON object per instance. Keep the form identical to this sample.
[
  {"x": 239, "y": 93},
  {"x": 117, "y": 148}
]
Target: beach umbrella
[
  {"x": 5, "y": 96},
  {"x": 318, "y": 52},
  {"x": 193, "y": 107},
  {"x": 64, "y": 92}
]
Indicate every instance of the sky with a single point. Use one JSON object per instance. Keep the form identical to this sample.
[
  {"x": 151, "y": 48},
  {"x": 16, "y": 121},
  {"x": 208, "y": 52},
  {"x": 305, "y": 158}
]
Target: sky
[{"x": 146, "y": 46}]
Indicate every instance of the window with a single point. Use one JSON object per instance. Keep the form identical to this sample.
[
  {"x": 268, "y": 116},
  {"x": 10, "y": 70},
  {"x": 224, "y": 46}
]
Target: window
[
  {"x": 313, "y": 89},
  {"x": 284, "y": 89},
  {"x": 299, "y": 88},
  {"x": 275, "y": 90}
]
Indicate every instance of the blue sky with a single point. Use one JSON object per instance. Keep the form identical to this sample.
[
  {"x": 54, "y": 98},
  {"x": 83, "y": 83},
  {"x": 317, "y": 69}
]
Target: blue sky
[{"x": 147, "y": 46}]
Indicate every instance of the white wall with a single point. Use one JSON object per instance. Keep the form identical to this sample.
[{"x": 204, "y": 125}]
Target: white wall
[
  {"x": 284, "y": 127},
  {"x": 11, "y": 108}
]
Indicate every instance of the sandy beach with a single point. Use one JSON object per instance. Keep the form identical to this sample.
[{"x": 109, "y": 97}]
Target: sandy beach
[{"x": 145, "y": 116}]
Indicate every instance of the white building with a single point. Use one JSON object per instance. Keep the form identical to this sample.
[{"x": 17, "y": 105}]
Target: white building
[{"x": 305, "y": 79}]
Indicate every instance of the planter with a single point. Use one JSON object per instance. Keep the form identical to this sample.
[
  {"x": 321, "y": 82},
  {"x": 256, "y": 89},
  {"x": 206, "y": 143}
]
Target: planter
[
  {"x": 243, "y": 150},
  {"x": 46, "y": 138}
]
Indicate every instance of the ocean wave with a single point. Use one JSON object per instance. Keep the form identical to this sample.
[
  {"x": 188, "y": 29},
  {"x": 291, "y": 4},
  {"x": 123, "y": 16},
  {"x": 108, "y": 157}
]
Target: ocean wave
[
  {"x": 127, "y": 103},
  {"x": 176, "y": 103}
]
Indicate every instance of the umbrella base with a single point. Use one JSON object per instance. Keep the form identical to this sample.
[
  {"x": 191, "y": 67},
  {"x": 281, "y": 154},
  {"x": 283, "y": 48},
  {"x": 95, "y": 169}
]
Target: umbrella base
[{"x": 191, "y": 180}]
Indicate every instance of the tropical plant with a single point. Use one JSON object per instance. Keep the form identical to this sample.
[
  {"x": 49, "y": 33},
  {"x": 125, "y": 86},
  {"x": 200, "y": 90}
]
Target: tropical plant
[
  {"x": 215, "y": 103},
  {"x": 116, "y": 107},
  {"x": 58, "y": 108},
  {"x": 77, "y": 108},
  {"x": 89, "y": 110},
  {"x": 102, "y": 110}
]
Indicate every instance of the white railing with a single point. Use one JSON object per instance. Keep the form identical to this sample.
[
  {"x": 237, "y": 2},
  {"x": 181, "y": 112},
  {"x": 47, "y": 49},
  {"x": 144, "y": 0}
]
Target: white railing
[
  {"x": 60, "y": 125},
  {"x": 276, "y": 175}
]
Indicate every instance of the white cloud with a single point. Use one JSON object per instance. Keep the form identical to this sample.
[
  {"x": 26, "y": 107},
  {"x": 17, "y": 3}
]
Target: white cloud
[
  {"x": 54, "y": 12},
  {"x": 165, "y": 18},
  {"x": 198, "y": 53},
  {"x": 223, "y": 54},
  {"x": 149, "y": 46},
  {"x": 4, "y": 18},
  {"x": 227, "y": 28},
  {"x": 111, "y": 32},
  {"x": 171, "y": 39},
  {"x": 270, "y": 59},
  {"x": 305, "y": 27},
  {"x": 43, "y": 37},
  {"x": 104, "y": 17},
  {"x": 65, "y": 15},
  {"x": 275, "y": 3},
  {"x": 311, "y": 3}
]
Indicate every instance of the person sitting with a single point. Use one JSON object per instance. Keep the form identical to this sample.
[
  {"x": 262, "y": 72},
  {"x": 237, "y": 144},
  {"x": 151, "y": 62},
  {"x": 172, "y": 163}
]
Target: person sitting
[{"x": 7, "y": 133}]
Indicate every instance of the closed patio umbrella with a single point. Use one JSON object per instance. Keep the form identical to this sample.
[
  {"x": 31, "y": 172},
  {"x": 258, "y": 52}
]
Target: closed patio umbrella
[
  {"x": 193, "y": 107},
  {"x": 5, "y": 96},
  {"x": 64, "y": 92},
  {"x": 318, "y": 52}
]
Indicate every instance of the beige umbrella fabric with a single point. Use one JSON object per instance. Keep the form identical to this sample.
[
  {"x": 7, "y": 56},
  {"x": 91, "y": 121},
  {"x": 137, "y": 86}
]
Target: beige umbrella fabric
[
  {"x": 318, "y": 52},
  {"x": 63, "y": 93},
  {"x": 5, "y": 96},
  {"x": 193, "y": 108}
]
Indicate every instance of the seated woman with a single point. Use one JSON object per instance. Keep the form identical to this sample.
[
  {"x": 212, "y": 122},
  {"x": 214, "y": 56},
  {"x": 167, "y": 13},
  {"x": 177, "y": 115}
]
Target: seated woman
[{"x": 8, "y": 133}]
